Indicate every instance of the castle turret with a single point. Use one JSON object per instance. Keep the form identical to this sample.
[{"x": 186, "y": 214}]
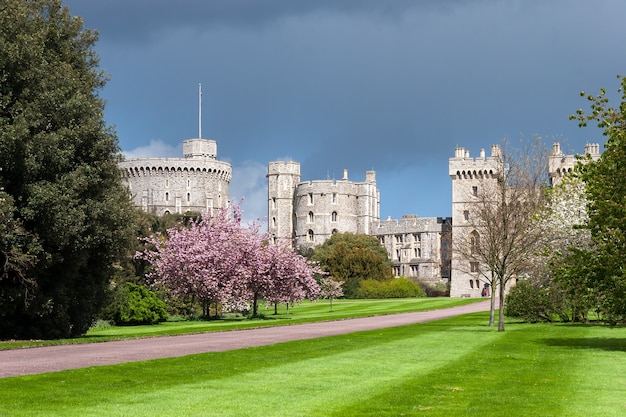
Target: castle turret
[
  {"x": 282, "y": 178},
  {"x": 469, "y": 177},
  {"x": 560, "y": 165},
  {"x": 198, "y": 182}
]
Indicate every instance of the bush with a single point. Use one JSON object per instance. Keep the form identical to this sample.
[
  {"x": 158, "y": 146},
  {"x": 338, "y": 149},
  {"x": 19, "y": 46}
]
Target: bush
[
  {"x": 134, "y": 304},
  {"x": 537, "y": 301},
  {"x": 438, "y": 289},
  {"x": 394, "y": 288}
]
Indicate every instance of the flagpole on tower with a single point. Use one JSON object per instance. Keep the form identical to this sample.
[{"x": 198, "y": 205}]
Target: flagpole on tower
[{"x": 200, "y": 111}]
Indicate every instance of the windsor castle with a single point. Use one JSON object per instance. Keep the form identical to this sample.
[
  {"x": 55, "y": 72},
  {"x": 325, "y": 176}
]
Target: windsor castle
[{"x": 311, "y": 211}]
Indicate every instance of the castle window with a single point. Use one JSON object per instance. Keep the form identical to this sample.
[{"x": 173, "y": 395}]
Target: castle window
[
  {"x": 310, "y": 236},
  {"x": 273, "y": 221},
  {"x": 398, "y": 238},
  {"x": 311, "y": 217},
  {"x": 334, "y": 198},
  {"x": 474, "y": 242},
  {"x": 167, "y": 196},
  {"x": 415, "y": 270},
  {"x": 474, "y": 267},
  {"x": 188, "y": 197},
  {"x": 188, "y": 183},
  {"x": 466, "y": 215},
  {"x": 475, "y": 190},
  {"x": 382, "y": 240},
  {"x": 333, "y": 216},
  {"x": 310, "y": 198},
  {"x": 397, "y": 253},
  {"x": 471, "y": 283},
  {"x": 416, "y": 237},
  {"x": 417, "y": 252},
  {"x": 335, "y": 231},
  {"x": 273, "y": 202},
  {"x": 396, "y": 271}
]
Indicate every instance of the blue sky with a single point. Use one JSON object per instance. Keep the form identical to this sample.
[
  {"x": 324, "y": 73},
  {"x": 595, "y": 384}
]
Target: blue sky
[{"x": 388, "y": 85}]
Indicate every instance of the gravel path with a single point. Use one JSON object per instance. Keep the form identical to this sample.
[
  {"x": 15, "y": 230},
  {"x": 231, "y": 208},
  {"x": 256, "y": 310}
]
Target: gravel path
[{"x": 57, "y": 358}]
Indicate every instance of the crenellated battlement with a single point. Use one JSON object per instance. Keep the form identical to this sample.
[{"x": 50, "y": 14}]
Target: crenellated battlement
[
  {"x": 560, "y": 164},
  {"x": 197, "y": 182},
  {"x": 463, "y": 166}
]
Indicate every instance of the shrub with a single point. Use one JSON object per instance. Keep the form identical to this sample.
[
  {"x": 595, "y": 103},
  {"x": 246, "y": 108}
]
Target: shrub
[
  {"x": 438, "y": 289},
  {"x": 536, "y": 301},
  {"x": 134, "y": 304},
  {"x": 394, "y": 288}
]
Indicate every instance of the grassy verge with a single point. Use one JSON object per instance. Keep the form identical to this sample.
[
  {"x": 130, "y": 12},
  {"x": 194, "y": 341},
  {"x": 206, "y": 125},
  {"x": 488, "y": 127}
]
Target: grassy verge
[
  {"x": 453, "y": 367},
  {"x": 305, "y": 312}
]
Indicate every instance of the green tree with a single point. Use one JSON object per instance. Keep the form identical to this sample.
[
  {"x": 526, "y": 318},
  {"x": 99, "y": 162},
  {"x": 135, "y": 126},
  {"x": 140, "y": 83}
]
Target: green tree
[
  {"x": 59, "y": 163},
  {"x": 352, "y": 258},
  {"x": 605, "y": 264}
]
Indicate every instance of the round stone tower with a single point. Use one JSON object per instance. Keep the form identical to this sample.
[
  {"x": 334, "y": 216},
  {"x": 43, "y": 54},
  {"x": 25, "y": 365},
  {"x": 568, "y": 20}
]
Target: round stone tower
[{"x": 198, "y": 182}]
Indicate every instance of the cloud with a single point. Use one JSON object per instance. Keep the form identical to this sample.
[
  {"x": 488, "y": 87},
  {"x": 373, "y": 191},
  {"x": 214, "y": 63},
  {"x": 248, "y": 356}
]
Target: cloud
[
  {"x": 249, "y": 184},
  {"x": 155, "y": 149},
  {"x": 142, "y": 19}
]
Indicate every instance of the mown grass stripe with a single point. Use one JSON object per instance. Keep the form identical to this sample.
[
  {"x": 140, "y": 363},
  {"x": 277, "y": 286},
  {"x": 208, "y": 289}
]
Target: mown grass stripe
[{"x": 453, "y": 367}]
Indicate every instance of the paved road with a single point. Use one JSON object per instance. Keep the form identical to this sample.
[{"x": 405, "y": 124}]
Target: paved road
[{"x": 57, "y": 358}]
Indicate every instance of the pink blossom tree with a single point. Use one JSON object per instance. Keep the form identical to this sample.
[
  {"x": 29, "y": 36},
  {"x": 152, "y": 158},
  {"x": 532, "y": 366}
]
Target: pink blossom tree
[{"x": 219, "y": 261}]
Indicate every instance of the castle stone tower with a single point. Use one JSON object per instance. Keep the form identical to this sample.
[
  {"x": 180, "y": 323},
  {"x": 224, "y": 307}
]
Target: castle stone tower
[
  {"x": 311, "y": 211},
  {"x": 198, "y": 182},
  {"x": 560, "y": 165},
  {"x": 469, "y": 176},
  {"x": 282, "y": 178}
]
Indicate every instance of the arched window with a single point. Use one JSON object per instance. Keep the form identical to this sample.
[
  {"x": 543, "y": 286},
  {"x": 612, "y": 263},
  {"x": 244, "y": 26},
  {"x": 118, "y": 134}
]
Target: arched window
[
  {"x": 474, "y": 242},
  {"x": 273, "y": 221},
  {"x": 188, "y": 197},
  {"x": 333, "y": 216},
  {"x": 311, "y": 217},
  {"x": 471, "y": 283},
  {"x": 310, "y": 236},
  {"x": 167, "y": 196}
]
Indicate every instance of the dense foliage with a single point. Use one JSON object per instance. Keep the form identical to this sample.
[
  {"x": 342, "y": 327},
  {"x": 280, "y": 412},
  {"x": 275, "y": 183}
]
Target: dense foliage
[
  {"x": 601, "y": 269},
  {"x": 135, "y": 304},
  {"x": 395, "y": 288},
  {"x": 220, "y": 262},
  {"x": 68, "y": 213},
  {"x": 352, "y": 258}
]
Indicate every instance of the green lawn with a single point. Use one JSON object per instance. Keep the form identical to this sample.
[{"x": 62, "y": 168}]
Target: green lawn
[
  {"x": 305, "y": 312},
  {"x": 453, "y": 367}
]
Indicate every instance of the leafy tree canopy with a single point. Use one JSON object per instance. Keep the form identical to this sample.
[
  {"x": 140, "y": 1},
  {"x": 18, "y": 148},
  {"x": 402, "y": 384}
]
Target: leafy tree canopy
[
  {"x": 352, "y": 258},
  {"x": 606, "y": 192},
  {"x": 59, "y": 166}
]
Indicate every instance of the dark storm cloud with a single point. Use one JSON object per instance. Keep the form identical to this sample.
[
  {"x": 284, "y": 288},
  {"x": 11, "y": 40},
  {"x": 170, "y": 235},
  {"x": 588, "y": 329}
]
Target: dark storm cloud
[
  {"x": 389, "y": 85},
  {"x": 136, "y": 20}
]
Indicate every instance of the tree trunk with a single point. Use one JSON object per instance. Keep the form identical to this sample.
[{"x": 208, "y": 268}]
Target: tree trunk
[
  {"x": 501, "y": 309},
  {"x": 255, "y": 306},
  {"x": 492, "y": 307}
]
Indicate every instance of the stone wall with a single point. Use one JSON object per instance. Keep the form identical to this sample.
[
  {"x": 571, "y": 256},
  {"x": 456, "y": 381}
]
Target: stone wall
[{"x": 198, "y": 182}]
